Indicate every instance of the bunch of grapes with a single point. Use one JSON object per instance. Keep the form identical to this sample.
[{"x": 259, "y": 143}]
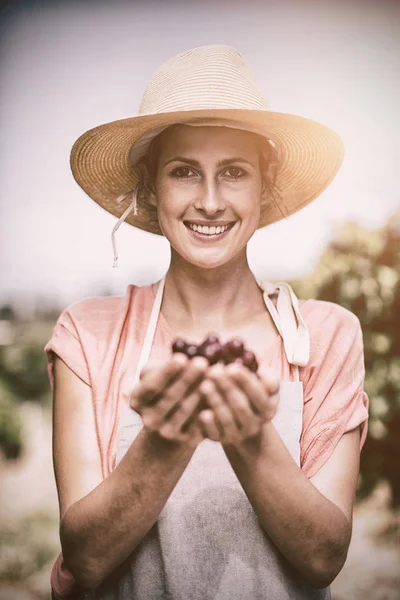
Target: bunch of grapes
[{"x": 215, "y": 351}]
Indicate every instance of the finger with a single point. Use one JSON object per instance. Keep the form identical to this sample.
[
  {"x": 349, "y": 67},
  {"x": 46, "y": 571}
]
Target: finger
[
  {"x": 270, "y": 380},
  {"x": 249, "y": 422},
  {"x": 262, "y": 401},
  {"x": 184, "y": 385},
  {"x": 154, "y": 380},
  {"x": 223, "y": 415},
  {"x": 170, "y": 400},
  {"x": 175, "y": 423},
  {"x": 148, "y": 368},
  {"x": 209, "y": 425}
]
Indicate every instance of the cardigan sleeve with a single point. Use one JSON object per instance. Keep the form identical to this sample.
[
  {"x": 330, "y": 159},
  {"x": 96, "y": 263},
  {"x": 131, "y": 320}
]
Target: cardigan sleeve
[
  {"x": 334, "y": 398},
  {"x": 66, "y": 342}
]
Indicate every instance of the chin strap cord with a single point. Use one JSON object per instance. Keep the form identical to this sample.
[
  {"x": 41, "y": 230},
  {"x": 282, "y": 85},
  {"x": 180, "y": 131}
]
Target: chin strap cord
[{"x": 131, "y": 208}]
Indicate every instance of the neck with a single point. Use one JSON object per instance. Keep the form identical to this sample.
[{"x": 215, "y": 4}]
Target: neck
[{"x": 200, "y": 300}]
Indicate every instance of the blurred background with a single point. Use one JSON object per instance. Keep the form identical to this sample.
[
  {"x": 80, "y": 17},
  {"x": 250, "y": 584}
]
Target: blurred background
[{"x": 67, "y": 66}]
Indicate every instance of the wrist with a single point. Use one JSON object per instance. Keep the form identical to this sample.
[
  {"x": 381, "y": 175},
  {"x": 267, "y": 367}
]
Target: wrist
[
  {"x": 165, "y": 446},
  {"x": 253, "y": 444}
]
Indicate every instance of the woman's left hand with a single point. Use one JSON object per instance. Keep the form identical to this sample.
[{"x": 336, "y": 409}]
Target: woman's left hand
[{"x": 238, "y": 402}]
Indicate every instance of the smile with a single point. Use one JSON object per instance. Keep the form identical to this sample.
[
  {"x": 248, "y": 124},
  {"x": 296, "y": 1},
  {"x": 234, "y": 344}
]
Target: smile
[{"x": 209, "y": 230}]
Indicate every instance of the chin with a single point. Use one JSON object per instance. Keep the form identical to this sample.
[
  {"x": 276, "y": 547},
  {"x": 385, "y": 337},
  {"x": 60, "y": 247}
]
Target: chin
[
  {"x": 203, "y": 264},
  {"x": 208, "y": 266},
  {"x": 207, "y": 262}
]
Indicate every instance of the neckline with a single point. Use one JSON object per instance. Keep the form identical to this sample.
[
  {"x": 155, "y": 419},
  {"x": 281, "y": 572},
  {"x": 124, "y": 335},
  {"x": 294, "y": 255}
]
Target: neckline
[{"x": 162, "y": 321}]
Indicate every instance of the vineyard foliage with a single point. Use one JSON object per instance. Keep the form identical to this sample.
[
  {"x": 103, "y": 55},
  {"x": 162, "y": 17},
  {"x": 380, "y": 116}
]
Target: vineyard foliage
[{"x": 360, "y": 270}]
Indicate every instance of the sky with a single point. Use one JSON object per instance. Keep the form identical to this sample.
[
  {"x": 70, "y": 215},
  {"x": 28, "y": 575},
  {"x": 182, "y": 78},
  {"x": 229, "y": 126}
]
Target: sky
[{"x": 67, "y": 66}]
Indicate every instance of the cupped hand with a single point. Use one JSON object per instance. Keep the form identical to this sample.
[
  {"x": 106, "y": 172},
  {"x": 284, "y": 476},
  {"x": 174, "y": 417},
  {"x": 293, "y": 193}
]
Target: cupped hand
[
  {"x": 239, "y": 402},
  {"x": 167, "y": 397}
]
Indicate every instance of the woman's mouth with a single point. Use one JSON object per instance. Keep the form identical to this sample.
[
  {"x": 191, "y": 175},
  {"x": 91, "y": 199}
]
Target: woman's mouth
[{"x": 208, "y": 232}]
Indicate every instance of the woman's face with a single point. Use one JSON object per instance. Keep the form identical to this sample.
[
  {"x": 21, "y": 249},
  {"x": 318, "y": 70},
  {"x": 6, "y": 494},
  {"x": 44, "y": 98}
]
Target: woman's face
[{"x": 208, "y": 191}]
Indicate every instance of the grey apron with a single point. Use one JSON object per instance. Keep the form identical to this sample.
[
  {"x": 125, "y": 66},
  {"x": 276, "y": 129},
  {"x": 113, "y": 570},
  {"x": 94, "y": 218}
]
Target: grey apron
[{"x": 207, "y": 543}]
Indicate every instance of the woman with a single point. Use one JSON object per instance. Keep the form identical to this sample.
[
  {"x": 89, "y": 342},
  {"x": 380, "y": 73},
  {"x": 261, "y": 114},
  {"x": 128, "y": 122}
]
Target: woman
[{"x": 178, "y": 479}]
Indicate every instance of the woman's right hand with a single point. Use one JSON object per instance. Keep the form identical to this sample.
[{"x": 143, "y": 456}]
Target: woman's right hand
[
  {"x": 103, "y": 519},
  {"x": 168, "y": 398}
]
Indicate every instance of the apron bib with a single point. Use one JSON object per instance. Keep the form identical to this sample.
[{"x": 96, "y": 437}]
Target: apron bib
[{"x": 207, "y": 543}]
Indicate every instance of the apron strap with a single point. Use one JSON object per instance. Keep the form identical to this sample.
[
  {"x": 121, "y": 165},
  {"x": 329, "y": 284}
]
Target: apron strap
[
  {"x": 151, "y": 328},
  {"x": 129, "y": 416},
  {"x": 288, "y": 321}
]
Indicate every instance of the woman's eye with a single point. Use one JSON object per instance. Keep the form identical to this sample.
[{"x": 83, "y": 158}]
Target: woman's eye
[
  {"x": 235, "y": 172},
  {"x": 182, "y": 172}
]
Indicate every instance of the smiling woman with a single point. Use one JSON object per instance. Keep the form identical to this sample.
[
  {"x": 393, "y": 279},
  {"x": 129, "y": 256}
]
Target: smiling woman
[
  {"x": 178, "y": 478},
  {"x": 237, "y": 168},
  {"x": 203, "y": 184}
]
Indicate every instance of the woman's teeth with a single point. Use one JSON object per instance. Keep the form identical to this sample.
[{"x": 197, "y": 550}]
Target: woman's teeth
[{"x": 206, "y": 230}]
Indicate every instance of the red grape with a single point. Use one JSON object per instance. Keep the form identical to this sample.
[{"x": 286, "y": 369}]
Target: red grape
[
  {"x": 179, "y": 345},
  {"x": 213, "y": 353},
  {"x": 211, "y": 339},
  {"x": 249, "y": 359},
  {"x": 191, "y": 350},
  {"x": 235, "y": 347},
  {"x": 212, "y": 349}
]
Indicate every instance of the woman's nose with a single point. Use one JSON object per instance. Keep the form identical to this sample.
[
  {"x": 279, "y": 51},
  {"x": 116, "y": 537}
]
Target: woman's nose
[{"x": 210, "y": 198}]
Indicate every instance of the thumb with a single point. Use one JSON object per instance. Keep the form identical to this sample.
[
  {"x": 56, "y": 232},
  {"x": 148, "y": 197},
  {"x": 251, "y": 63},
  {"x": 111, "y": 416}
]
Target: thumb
[
  {"x": 148, "y": 368},
  {"x": 270, "y": 379}
]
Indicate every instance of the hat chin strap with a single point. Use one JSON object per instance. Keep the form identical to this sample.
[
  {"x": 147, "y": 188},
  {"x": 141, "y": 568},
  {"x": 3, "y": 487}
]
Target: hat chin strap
[{"x": 131, "y": 208}]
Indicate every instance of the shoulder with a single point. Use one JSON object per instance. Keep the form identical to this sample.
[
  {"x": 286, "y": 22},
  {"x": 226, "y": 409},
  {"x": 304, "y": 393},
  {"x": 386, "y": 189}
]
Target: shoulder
[
  {"x": 332, "y": 327},
  {"x": 327, "y": 315},
  {"x": 92, "y": 328},
  {"x": 95, "y": 307},
  {"x": 100, "y": 312}
]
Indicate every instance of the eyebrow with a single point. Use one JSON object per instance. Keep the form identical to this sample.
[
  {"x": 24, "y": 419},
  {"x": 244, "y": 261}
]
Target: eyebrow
[{"x": 222, "y": 163}]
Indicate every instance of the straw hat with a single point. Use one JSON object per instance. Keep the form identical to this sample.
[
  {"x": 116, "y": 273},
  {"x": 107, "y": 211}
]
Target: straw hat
[{"x": 205, "y": 85}]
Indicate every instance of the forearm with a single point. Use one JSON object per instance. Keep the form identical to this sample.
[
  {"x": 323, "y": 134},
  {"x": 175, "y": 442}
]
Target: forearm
[
  {"x": 102, "y": 529},
  {"x": 307, "y": 528}
]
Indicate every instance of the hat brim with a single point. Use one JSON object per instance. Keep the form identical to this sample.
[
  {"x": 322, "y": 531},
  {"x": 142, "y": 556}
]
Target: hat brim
[{"x": 310, "y": 155}]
